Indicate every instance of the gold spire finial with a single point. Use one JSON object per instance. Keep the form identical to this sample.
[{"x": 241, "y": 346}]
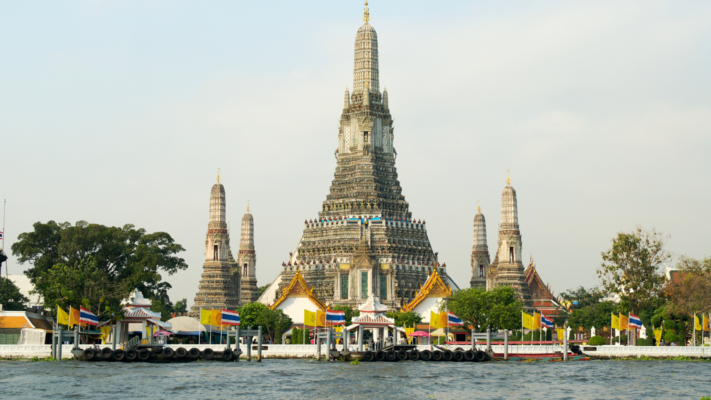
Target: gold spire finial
[
  {"x": 218, "y": 175},
  {"x": 247, "y": 205},
  {"x": 366, "y": 13},
  {"x": 478, "y": 207},
  {"x": 508, "y": 177}
]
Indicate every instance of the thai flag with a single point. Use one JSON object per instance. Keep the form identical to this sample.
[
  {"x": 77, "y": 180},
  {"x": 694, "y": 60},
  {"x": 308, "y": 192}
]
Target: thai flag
[
  {"x": 87, "y": 317},
  {"x": 230, "y": 317},
  {"x": 546, "y": 322},
  {"x": 635, "y": 322},
  {"x": 453, "y": 320},
  {"x": 336, "y": 317},
  {"x": 0, "y": 235}
]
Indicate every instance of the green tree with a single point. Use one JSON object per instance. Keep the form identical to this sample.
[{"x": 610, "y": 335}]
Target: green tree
[
  {"x": 582, "y": 297},
  {"x": 631, "y": 268},
  {"x": 181, "y": 306},
  {"x": 403, "y": 319},
  {"x": 273, "y": 322},
  {"x": 10, "y": 296},
  {"x": 479, "y": 308},
  {"x": 597, "y": 315},
  {"x": 349, "y": 311},
  {"x": 115, "y": 260},
  {"x": 164, "y": 307}
]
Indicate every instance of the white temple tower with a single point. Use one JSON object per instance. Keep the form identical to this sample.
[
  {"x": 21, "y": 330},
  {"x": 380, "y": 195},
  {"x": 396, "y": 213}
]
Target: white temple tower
[
  {"x": 507, "y": 266},
  {"x": 220, "y": 281},
  {"x": 480, "y": 254},
  {"x": 247, "y": 259}
]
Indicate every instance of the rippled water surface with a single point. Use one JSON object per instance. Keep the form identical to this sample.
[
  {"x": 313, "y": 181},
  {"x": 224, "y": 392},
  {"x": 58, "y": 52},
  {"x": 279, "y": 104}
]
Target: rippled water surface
[{"x": 305, "y": 379}]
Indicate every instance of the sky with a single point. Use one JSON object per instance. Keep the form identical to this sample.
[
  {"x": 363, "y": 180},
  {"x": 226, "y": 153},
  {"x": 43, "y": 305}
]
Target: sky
[{"x": 119, "y": 112}]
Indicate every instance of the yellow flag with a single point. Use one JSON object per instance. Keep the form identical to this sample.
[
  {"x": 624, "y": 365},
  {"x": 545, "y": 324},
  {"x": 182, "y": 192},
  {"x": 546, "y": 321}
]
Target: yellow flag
[
  {"x": 526, "y": 321},
  {"x": 658, "y": 335},
  {"x": 443, "y": 320},
  {"x": 697, "y": 323},
  {"x": 706, "y": 323},
  {"x": 560, "y": 332},
  {"x": 62, "y": 317},
  {"x": 309, "y": 318},
  {"x": 536, "y": 320},
  {"x": 74, "y": 317},
  {"x": 409, "y": 331},
  {"x": 320, "y": 318},
  {"x": 434, "y": 320},
  {"x": 205, "y": 317},
  {"x": 624, "y": 322},
  {"x": 615, "y": 322},
  {"x": 216, "y": 317},
  {"x": 105, "y": 330}
]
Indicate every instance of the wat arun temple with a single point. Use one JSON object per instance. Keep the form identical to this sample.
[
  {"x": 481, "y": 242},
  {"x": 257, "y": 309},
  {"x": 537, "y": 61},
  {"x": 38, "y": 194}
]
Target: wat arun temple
[
  {"x": 365, "y": 240},
  {"x": 365, "y": 243}
]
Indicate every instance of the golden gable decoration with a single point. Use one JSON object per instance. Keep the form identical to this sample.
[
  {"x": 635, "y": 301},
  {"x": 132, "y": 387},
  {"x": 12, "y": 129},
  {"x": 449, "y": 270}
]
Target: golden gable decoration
[
  {"x": 299, "y": 288},
  {"x": 434, "y": 287}
]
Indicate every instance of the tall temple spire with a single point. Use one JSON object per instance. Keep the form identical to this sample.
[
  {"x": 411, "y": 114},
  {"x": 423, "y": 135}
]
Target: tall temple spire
[
  {"x": 247, "y": 259},
  {"x": 509, "y": 208},
  {"x": 480, "y": 252},
  {"x": 365, "y": 65},
  {"x": 364, "y": 241},
  {"x": 219, "y": 286},
  {"x": 507, "y": 265}
]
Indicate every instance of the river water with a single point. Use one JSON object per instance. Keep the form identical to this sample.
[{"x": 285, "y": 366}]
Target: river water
[{"x": 306, "y": 379}]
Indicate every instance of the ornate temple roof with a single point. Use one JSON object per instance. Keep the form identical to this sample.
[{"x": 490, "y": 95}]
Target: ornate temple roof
[
  {"x": 434, "y": 287},
  {"x": 299, "y": 287},
  {"x": 538, "y": 289},
  {"x": 136, "y": 299}
]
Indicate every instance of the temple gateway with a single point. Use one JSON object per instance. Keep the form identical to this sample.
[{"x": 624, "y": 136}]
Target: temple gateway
[{"x": 365, "y": 241}]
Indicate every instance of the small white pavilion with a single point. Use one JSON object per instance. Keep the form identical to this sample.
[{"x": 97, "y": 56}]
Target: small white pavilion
[
  {"x": 372, "y": 316},
  {"x": 137, "y": 315}
]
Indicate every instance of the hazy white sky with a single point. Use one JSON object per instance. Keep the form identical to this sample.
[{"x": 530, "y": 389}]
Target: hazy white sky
[{"x": 121, "y": 112}]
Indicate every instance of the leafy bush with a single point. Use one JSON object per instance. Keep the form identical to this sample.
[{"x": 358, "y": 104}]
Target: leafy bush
[
  {"x": 671, "y": 336},
  {"x": 597, "y": 341},
  {"x": 644, "y": 342},
  {"x": 669, "y": 324},
  {"x": 620, "y": 339}
]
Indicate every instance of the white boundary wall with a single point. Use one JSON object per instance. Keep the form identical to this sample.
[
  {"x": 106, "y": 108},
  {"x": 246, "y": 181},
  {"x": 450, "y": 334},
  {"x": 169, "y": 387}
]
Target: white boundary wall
[{"x": 309, "y": 350}]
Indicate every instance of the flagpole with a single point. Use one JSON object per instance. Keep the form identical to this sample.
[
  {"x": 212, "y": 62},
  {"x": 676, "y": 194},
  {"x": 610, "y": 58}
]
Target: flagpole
[{"x": 611, "y": 328}]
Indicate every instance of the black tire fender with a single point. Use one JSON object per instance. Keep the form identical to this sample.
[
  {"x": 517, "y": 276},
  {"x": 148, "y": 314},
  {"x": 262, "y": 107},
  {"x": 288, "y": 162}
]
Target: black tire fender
[
  {"x": 131, "y": 355},
  {"x": 228, "y": 355},
  {"x": 426, "y": 355},
  {"x": 181, "y": 352},
  {"x": 168, "y": 352},
  {"x": 89, "y": 354},
  {"x": 119, "y": 355},
  {"x": 208, "y": 354},
  {"x": 144, "y": 355},
  {"x": 368, "y": 356},
  {"x": 106, "y": 353},
  {"x": 194, "y": 353}
]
